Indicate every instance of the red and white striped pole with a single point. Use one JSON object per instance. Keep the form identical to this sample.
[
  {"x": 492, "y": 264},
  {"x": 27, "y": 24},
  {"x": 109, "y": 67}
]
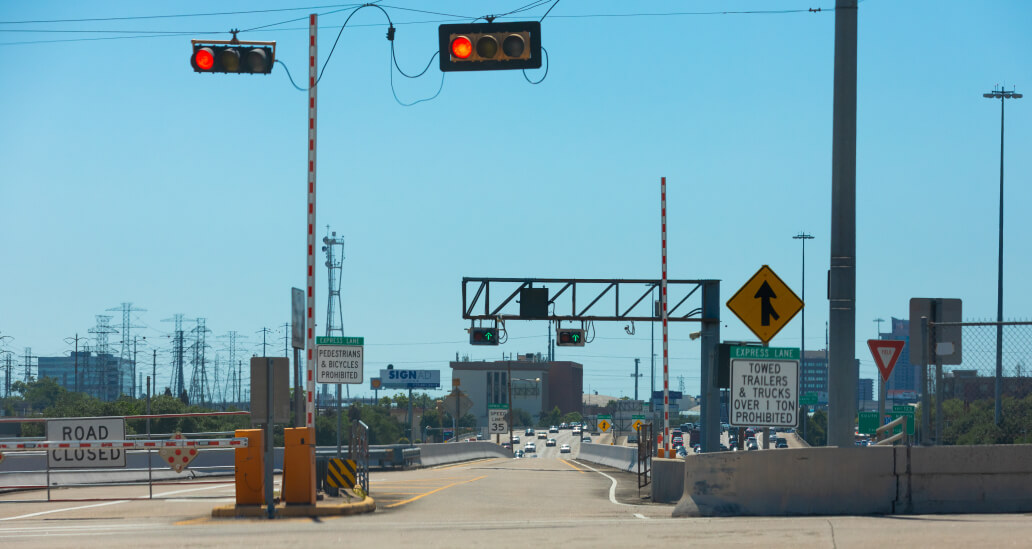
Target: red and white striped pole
[
  {"x": 310, "y": 306},
  {"x": 663, "y": 300}
]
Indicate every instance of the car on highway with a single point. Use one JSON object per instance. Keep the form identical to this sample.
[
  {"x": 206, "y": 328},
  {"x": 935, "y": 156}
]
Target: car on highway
[
  {"x": 507, "y": 445},
  {"x": 564, "y": 449},
  {"x": 576, "y": 430},
  {"x": 677, "y": 441},
  {"x": 515, "y": 439},
  {"x": 585, "y": 439},
  {"x": 550, "y": 442},
  {"x": 529, "y": 432},
  {"x": 632, "y": 439},
  {"x": 530, "y": 447},
  {"x": 517, "y": 454},
  {"x": 564, "y": 425},
  {"x": 751, "y": 444},
  {"x": 781, "y": 443},
  {"x": 553, "y": 429},
  {"x": 542, "y": 435}
]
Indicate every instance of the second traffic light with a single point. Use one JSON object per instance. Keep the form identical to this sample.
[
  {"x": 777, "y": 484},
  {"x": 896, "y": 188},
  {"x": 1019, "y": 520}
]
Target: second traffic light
[
  {"x": 233, "y": 58},
  {"x": 483, "y": 336},
  {"x": 490, "y": 46},
  {"x": 570, "y": 337}
]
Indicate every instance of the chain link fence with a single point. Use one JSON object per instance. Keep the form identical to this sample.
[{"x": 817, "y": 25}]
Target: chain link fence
[{"x": 981, "y": 400}]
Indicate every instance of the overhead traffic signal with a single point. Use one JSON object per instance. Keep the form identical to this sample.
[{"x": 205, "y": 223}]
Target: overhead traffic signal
[
  {"x": 233, "y": 57},
  {"x": 490, "y": 46},
  {"x": 483, "y": 336},
  {"x": 570, "y": 337}
]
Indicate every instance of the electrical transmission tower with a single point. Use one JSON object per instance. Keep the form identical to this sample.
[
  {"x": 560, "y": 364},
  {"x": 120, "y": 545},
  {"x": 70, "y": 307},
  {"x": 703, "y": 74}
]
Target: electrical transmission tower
[
  {"x": 231, "y": 338},
  {"x": 199, "y": 387},
  {"x": 102, "y": 330},
  {"x": 28, "y": 364},
  {"x": 334, "y": 266},
  {"x": 177, "y": 383},
  {"x": 127, "y": 326}
]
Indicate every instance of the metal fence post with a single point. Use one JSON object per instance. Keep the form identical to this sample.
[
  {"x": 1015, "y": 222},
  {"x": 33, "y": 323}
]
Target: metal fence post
[{"x": 926, "y": 397}]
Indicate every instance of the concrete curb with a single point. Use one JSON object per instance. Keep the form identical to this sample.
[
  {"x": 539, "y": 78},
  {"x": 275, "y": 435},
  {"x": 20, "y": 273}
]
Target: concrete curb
[{"x": 368, "y": 505}]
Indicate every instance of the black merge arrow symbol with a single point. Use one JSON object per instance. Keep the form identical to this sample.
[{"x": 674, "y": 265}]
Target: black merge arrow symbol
[{"x": 765, "y": 294}]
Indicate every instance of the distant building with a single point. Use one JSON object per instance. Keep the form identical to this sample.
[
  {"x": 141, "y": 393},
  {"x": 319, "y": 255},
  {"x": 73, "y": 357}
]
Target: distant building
[
  {"x": 101, "y": 375},
  {"x": 538, "y": 386},
  {"x": 865, "y": 389},
  {"x": 814, "y": 377},
  {"x": 968, "y": 386},
  {"x": 904, "y": 384}
]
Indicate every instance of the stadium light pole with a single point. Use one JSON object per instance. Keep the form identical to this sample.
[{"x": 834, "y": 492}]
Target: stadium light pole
[{"x": 1002, "y": 95}]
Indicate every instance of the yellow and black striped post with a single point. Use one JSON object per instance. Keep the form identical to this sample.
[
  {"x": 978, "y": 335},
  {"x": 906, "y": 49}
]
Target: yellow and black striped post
[{"x": 340, "y": 473}]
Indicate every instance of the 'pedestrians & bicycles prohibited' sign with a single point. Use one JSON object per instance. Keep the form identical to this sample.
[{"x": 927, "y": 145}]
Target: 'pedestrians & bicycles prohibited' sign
[
  {"x": 764, "y": 387},
  {"x": 339, "y": 360},
  {"x": 82, "y": 429}
]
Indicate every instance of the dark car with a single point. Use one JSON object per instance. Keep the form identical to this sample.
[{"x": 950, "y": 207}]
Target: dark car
[{"x": 781, "y": 443}]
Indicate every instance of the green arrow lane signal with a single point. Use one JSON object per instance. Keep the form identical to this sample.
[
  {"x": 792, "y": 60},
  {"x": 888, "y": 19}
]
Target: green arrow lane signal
[
  {"x": 482, "y": 336},
  {"x": 571, "y": 337},
  {"x": 487, "y": 336}
]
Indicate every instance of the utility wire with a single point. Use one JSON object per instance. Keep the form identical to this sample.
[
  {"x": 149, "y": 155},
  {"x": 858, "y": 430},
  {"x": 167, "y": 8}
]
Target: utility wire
[
  {"x": 172, "y": 16},
  {"x": 547, "y": 64}
]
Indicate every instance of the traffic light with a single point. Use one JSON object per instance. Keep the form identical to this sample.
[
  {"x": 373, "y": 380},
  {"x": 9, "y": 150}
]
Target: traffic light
[
  {"x": 571, "y": 337},
  {"x": 483, "y": 336},
  {"x": 490, "y": 46},
  {"x": 233, "y": 57}
]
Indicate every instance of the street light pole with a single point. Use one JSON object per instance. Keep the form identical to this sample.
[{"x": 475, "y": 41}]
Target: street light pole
[
  {"x": 1002, "y": 95},
  {"x": 803, "y": 237}
]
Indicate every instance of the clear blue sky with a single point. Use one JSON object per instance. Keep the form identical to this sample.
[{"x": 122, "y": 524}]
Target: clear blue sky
[{"x": 126, "y": 177}]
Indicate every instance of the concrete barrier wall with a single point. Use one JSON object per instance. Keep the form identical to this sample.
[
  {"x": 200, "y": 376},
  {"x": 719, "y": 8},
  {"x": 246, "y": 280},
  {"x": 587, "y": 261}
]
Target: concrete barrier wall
[
  {"x": 454, "y": 452},
  {"x": 624, "y": 458},
  {"x": 857, "y": 481},
  {"x": 667, "y": 479}
]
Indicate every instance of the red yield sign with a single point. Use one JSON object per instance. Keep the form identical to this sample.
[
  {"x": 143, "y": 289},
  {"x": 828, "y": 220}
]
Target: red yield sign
[{"x": 886, "y": 352}]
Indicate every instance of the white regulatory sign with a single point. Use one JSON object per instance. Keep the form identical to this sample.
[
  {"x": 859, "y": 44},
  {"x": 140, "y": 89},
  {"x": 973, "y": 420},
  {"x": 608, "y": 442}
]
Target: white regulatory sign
[
  {"x": 497, "y": 419},
  {"x": 764, "y": 387},
  {"x": 86, "y": 429},
  {"x": 339, "y": 364}
]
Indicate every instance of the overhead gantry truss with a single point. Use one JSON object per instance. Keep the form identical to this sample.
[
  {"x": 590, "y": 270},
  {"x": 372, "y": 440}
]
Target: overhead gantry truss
[{"x": 626, "y": 299}]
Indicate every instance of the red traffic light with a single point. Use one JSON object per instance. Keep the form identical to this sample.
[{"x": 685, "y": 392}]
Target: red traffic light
[
  {"x": 461, "y": 47},
  {"x": 204, "y": 59}
]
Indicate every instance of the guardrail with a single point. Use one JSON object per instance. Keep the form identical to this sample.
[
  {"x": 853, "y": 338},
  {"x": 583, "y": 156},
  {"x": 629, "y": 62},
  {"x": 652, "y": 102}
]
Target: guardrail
[{"x": 902, "y": 435}]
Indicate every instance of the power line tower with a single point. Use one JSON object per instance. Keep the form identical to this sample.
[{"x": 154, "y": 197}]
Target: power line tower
[
  {"x": 127, "y": 326},
  {"x": 231, "y": 338},
  {"x": 178, "y": 382},
  {"x": 102, "y": 330},
  {"x": 199, "y": 387},
  {"x": 28, "y": 364},
  {"x": 7, "y": 378},
  {"x": 334, "y": 266}
]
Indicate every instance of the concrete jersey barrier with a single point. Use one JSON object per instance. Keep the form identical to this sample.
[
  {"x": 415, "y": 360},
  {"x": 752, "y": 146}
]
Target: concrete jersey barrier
[
  {"x": 624, "y": 458},
  {"x": 454, "y": 452}
]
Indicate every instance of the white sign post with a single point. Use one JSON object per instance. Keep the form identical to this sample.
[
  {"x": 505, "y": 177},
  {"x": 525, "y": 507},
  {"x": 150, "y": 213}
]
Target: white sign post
[
  {"x": 496, "y": 417},
  {"x": 764, "y": 387},
  {"x": 75, "y": 429},
  {"x": 339, "y": 360}
]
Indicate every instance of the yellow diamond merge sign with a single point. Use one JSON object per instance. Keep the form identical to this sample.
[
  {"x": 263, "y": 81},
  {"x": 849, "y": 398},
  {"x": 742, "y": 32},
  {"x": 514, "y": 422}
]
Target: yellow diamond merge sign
[
  {"x": 765, "y": 304},
  {"x": 636, "y": 425},
  {"x": 604, "y": 425}
]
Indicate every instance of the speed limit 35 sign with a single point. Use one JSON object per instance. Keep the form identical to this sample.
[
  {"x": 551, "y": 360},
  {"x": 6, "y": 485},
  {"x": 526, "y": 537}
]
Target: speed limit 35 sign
[{"x": 496, "y": 417}]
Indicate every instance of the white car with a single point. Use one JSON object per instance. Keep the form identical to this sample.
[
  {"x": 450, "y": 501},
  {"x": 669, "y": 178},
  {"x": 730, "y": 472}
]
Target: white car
[
  {"x": 530, "y": 447},
  {"x": 564, "y": 449},
  {"x": 515, "y": 439}
]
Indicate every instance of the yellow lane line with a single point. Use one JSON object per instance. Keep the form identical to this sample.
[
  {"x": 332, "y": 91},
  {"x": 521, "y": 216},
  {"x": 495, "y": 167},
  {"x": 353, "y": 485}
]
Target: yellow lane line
[
  {"x": 403, "y": 481},
  {"x": 579, "y": 470},
  {"x": 466, "y": 463},
  {"x": 410, "y": 500}
]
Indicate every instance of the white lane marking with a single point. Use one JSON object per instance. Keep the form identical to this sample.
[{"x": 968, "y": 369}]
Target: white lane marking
[
  {"x": 76, "y": 527},
  {"x": 66, "y": 509},
  {"x": 612, "y": 487},
  {"x": 106, "y": 503},
  {"x": 641, "y": 516}
]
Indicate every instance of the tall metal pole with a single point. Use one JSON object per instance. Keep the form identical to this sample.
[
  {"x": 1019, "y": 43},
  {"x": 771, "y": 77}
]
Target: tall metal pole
[
  {"x": 1002, "y": 95},
  {"x": 842, "y": 372},
  {"x": 313, "y": 74},
  {"x": 803, "y": 237},
  {"x": 635, "y": 376},
  {"x": 663, "y": 299}
]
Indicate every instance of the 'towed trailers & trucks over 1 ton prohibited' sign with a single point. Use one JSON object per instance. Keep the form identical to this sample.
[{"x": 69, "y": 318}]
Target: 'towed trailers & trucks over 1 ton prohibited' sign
[{"x": 764, "y": 387}]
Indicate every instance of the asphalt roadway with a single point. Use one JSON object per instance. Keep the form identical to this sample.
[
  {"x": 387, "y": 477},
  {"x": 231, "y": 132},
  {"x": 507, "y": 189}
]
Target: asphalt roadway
[{"x": 553, "y": 499}]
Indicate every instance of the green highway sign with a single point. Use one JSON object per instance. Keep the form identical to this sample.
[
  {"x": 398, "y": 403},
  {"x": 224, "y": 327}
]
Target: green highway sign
[
  {"x": 605, "y": 416},
  {"x": 327, "y": 340},
  {"x": 498, "y": 406},
  {"x": 638, "y": 416},
  {"x": 907, "y": 411},
  {"x": 868, "y": 423},
  {"x": 808, "y": 399}
]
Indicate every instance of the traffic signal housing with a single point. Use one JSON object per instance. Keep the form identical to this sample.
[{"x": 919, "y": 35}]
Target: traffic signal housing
[
  {"x": 569, "y": 337},
  {"x": 233, "y": 57},
  {"x": 490, "y": 46},
  {"x": 483, "y": 336}
]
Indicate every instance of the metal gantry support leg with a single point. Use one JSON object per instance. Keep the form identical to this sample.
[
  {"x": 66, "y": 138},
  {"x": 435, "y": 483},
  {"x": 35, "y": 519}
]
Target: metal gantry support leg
[{"x": 710, "y": 413}]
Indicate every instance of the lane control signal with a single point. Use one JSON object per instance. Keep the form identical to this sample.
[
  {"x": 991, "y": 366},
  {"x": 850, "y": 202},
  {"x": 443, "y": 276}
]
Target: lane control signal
[
  {"x": 569, "y": 337},
  {"x": 483, "y": 336}
]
